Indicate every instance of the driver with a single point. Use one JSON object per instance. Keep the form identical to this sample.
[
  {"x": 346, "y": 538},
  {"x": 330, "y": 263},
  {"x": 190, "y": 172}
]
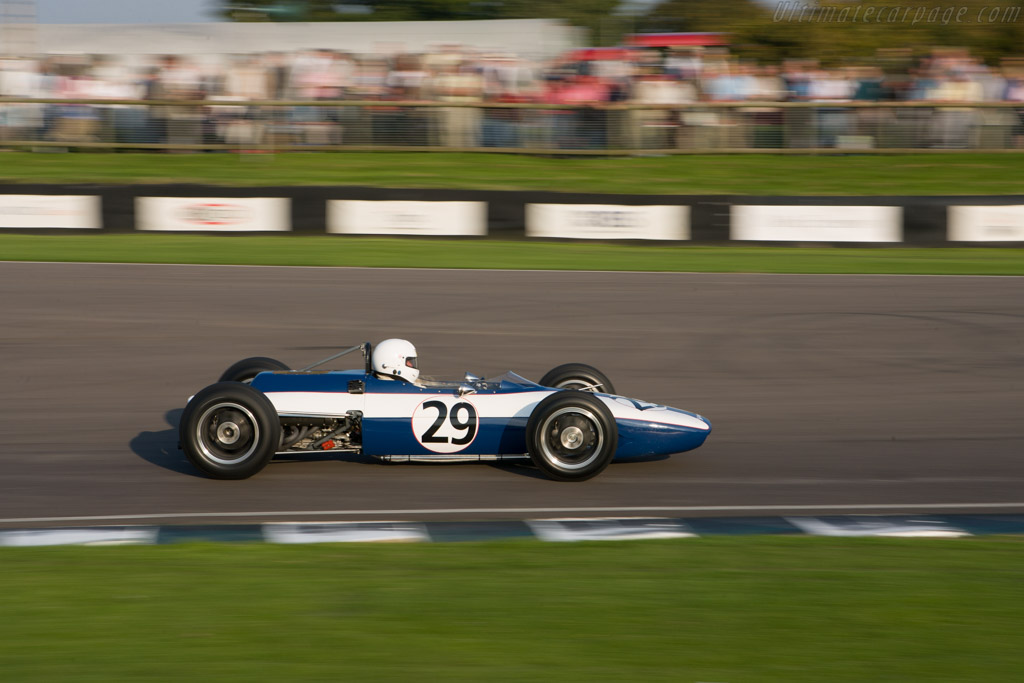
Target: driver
[{"x": 395, "y": 358}]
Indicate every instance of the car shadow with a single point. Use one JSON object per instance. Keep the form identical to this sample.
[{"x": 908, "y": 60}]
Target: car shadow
[
  {"x": 641, "y": 458},
  {"x": 161, "y": 449},
  {"x": 526, "y": 468},
  {"x": 282, "y": 459}
]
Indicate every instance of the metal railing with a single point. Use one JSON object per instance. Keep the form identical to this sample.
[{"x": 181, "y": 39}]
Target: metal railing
[{"x": 608, "y": 129}]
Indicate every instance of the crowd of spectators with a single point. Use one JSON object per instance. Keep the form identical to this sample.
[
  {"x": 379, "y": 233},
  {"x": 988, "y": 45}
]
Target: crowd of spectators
[{"x": 676, "y": 88}]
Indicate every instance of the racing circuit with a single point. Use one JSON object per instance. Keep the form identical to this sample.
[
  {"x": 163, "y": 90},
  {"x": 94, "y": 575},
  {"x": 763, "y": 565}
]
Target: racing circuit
[{"x": 828, "y": 394}]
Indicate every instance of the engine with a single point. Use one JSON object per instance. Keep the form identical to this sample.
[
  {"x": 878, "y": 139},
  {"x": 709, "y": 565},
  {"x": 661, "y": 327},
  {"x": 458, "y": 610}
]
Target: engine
[{"x": 305, "y": 434}]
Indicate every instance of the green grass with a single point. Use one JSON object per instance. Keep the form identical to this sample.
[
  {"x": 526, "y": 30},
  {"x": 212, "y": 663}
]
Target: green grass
[
  {"x": 917, "y": 174},
  {"x": 401, "y": 253},
  {"x": 720, "y": 609}
]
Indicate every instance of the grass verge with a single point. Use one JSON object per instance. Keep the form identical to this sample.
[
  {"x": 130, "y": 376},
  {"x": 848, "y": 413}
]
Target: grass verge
[
  {"x": 755, "y": 174},
  {"x": 514, "y": 255},
  {"x": 711, "y": 609}
]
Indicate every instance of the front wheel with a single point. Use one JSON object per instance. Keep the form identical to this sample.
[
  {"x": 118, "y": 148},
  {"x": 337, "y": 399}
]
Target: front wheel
[
  {"x": 571, "y": 436},
  {"x": 247, "y": 369},
  {"x": 230, "y": 431},
  {"x": 577, "y": 376}
]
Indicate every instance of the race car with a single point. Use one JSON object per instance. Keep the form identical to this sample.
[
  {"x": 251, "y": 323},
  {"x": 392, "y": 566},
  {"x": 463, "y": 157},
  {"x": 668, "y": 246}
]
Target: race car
[{"x": 571, "y": 423}]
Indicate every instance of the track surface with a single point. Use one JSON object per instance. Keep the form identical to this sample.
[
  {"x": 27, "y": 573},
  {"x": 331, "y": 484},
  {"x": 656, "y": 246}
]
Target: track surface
[{"x": 852, "y": 393}]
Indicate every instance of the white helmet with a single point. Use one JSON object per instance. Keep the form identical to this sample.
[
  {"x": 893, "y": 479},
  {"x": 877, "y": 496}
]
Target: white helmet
[{"x": 396, "y": 358}]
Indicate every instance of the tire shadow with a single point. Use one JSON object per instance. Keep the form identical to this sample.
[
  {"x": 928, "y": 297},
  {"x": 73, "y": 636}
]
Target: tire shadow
[
  {"x": 521, "y": 468},
  {"x": 161, "y": 448}
]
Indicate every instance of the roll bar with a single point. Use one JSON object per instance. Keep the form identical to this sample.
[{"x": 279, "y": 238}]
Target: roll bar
[{"x": 365, "y": 347}]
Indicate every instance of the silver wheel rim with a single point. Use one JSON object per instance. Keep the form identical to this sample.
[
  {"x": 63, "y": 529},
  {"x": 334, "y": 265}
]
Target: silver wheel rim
[
  {"x": 571, "y": 437},
  {"x": 218, "y": 446}
]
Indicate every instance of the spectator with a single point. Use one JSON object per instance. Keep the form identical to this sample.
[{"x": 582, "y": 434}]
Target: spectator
[
  {"x": 179, "y": 80},
  {"x": 657, "y": 128},
  {"x": 22, "y": 78},
  {"x": 586, "y": 83},
  {"x": 458, "y": 84}
]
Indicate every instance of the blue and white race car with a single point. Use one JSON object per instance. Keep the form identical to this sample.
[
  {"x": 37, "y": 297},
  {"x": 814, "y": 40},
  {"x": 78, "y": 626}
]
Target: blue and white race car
[{"x": 571, "y": 424}]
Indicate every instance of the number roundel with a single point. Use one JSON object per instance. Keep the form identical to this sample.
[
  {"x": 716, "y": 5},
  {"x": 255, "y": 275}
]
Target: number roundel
[{"x": 445, "y": 424}]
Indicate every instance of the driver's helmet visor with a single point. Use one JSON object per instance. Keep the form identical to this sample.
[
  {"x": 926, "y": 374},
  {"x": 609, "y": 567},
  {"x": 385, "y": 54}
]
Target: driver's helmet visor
[{"x": 410, "y": 362}]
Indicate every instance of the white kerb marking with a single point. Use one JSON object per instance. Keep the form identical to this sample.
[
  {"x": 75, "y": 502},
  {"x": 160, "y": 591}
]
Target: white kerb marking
[{"x": 314, "y": 514}]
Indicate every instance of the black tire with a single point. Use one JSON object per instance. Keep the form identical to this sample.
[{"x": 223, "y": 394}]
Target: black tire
[
  {"x": 571, "y": 436},
  {"x": 577, "y": 376},
  {"x": 229, "y": 430},
  {"x": 245, "y": 370}
]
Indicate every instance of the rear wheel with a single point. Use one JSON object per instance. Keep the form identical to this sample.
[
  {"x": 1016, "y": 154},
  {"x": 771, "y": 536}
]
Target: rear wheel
[
  {"x": 577, "y": 376},
  {"x": 246, "y": 370},
  {"x": 571, "y": 436},
  {"x": 230, "y": 431}
]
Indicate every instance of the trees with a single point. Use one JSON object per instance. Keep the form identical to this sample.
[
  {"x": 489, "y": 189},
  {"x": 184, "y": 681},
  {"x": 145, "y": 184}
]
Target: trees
[
  {"x": 596, "y": 16},
  {"x": 836, "y": 31}
]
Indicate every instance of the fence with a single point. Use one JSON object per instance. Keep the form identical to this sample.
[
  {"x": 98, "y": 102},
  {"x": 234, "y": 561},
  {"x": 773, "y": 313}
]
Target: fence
[{"x": 779, "y": 127}]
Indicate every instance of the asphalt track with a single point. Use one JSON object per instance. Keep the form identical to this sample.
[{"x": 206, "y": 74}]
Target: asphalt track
[{"x": 828, "y": 394}]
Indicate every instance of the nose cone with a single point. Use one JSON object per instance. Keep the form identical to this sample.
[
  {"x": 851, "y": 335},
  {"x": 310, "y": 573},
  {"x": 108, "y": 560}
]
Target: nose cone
[
  {"x": 688, "y": 437},
  {"x": 643, "y": 439},
  {"x": 647, "y": 429}
]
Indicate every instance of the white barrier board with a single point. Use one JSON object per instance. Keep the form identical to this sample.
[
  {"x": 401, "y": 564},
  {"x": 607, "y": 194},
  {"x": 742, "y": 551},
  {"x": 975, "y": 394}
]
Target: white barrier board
[
  {"x": 213, "y": 214},
  {"x": 608, "y": 222},
  {"x": 81, "y": 212},
  {"x": 598, "y": 529},
  {"x": 985, "y": 223},
  {"x": 816, "y": 223},
  {"x": 345, "y": 532},
  {"x": 29, "y": 538},
  {"x": 366, "y": 217}
]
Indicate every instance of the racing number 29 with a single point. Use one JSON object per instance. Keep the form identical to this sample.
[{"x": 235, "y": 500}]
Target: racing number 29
[{"x": 460, "y": 423}]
